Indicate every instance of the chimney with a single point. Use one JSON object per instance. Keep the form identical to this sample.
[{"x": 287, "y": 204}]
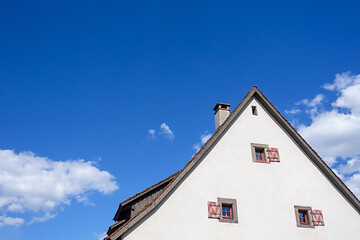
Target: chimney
[{"x": 222, "y": 111}]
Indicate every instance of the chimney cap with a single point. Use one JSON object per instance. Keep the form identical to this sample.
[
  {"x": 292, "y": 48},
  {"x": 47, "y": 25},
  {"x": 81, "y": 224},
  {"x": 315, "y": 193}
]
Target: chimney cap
[{"x": 222, "y": 106}]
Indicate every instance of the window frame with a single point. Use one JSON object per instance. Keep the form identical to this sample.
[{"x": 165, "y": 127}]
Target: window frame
[
  {"x": 255, "y": 146},
  {"x": 233, "y": 204},
  {"x": 309, "y": 216}
]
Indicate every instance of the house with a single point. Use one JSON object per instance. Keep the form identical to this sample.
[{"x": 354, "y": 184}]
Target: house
[{"x": 255, "y": 178}]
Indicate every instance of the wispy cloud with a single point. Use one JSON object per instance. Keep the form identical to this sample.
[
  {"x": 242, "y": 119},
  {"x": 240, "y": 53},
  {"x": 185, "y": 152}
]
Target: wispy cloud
[
  {"x": 100, "y": 236},
  {"x": 293, "y": 111},
  {"x": 312, "y": 105},
  {"x": 342, "y": 81},
  {"x": 164, "y": 131},
  {"x": 37, "y": 185},
  {"x": 42, "y": 218},
  {"x": 11, "y": 221},
  {"x": 84, "y": 199},
  {"x": 316, "y": 101},
  {"x": 354, "y": 184},
  {"x": 151, "y": 135},
  {"x": 351, "y": 166},
  {"x": 203, "y": 139},
  {"x": 334, "y": 130}
]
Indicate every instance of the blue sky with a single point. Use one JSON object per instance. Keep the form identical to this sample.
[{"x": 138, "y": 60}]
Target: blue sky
[{"x": 83, "y": 82}]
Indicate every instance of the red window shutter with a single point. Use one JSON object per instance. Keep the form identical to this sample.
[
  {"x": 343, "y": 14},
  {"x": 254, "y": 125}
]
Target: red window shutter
[
  {"x": 318, "y": 218},
  {"x": 273, "y": 154},
  {"x": 214, "y": 210}
]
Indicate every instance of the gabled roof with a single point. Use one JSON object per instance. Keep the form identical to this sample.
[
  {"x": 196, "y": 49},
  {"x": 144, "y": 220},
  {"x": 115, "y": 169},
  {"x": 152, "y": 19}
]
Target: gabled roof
[{"x": 256, "y": 93}]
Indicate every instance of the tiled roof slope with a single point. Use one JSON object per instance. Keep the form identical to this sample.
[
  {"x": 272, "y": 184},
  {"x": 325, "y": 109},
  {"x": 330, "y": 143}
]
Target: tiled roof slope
[
  {"x": 141, "y": 196},
  {"x": 254, "y": 92},
  {"x": 148, "y": 189}
]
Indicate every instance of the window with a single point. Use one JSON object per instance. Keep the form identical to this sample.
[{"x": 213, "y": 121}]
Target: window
[
  {"x": 303, "y": 216},
  {"x": 262, "y": 153},
  {"x": 228, "y": 210},
  {"x": 259, "y": 153},
  {"x": 254, "y": 110}
]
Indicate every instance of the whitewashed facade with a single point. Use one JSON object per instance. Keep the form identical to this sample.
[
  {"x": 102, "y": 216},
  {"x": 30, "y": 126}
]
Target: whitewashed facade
[{"x": 266, "y": 193}]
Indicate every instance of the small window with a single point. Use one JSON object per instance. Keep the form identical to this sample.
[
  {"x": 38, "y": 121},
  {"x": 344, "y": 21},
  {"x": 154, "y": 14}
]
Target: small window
[
  {"x": 254, "y": 110},
  {"x": 303, "y": 216},
  {"x": 259, "y": 153},
  {"x": 228, "y": 210}
]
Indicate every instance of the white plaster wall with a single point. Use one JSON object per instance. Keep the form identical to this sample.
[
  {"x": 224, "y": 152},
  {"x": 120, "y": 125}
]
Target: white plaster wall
[{"x": 265, "y": 193}]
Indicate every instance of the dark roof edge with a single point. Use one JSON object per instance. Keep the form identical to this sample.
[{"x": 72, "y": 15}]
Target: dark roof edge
[
  {"x": 202, "y": 152},
  {"x": 148, "y": 189}
]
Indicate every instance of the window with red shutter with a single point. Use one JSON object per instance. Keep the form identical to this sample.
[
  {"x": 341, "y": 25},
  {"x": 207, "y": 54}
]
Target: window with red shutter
[
  {"x": 318, "y": 218},
  {"x": 308, "y": 218},
  {"x": 225, "y": 210},
  {"x": 264, "y": 154},
  {"x": 273, "y": 154},
  {"x": 214, "y": 210}
]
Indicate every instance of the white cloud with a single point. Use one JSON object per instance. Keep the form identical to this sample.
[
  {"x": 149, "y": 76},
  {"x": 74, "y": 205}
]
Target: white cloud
[
  {"x": 100, "y": 236},
  {"x": 334, "y": 134},
  {"x": 33, "y": 184},
  {"x": 292, "y": 111},
  {"x": 11, "y": 221},
  {"x": 313, "y": 105},
  {"x": 166, "y": 131},
  {"x": 85, "y": 200},
  {"x": 42, "y": 218},
  {"x": 15, "y": 207},
  {"x": 316, "y": 101},
  {"x": 351, "y": 166},
  {"x": 203, "y": 139},
  {"x": 349, "y": 98},
  {"x": 342, "y": 81},
  {"x": 197, "y": 147},
  {"x": 151, "y": 135},
  {"x": 354, "y": 184},
  {"x": 335, "y": 131}
]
